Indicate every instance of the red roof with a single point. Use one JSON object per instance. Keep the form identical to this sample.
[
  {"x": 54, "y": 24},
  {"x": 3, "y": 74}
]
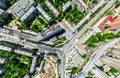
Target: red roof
[
  {"x": 101, "y": 26},
  {"x": 111, "y": 19}
]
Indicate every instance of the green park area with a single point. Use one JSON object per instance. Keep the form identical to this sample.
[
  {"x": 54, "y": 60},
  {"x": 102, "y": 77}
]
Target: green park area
[
  {"x": 59, "y": 4},
  {"x": 16, "y": 65},
  {"x": 112, "y": 71},
  {"x": 38, "y": 25},
  {"x": 73, "y": 70},
  {"x": 88, "y": 2},
  {"x": 74, "y": 16},
  {"x": 8, "y": 44},
  {"x": 59, "y": 43},
  {"x": 8, "y": 3},
  {"x": 93, "y": 41},
  {"x": 5, "y": 18}
]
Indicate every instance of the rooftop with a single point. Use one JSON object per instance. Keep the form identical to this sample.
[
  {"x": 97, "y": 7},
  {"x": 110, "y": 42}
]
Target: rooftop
[
  {"x": 107, "y": 19},
  {"x": 51, "y": 7},
  {"x": 31, "y": 10},
  {"x": 116, "y": 24},
  {"x": 40, "y": 9},
  {"x": 19, "y": 8},
  {"x": 66, "y": 6}
]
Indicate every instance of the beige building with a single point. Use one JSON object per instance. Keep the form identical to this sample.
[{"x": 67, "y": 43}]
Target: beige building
[
  {"x": 111, "y": 62},
  {"x": 99, "y": 73}
]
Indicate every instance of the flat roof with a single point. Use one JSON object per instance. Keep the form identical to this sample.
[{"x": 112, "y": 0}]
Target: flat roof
[
  {"x": 43, "y": 12},
  {"x": 5, "y": 48},
  {"x": 52, "y": 8},
  {"x": 19, "y": 7},
  {"x": 31, "y": 10}
]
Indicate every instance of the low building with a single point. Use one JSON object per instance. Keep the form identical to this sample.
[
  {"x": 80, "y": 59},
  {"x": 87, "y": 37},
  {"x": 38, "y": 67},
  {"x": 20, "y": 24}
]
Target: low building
[
  {"x": 99, "y": 73},
  {"x": 5, "y": 48},
  {"x": 80, "y": 46},
  {"x": 52, "y": 32},
  {"x": 20, "y": 7},
  {"x": 74, "y": 59},
  {"x": 33, "y": 65},
  {"x": 67, "y": 6},
  {"x": 107, "y": 20},
  {"x": 111, "y": 62},
  {"x": 68, "y": 28},
  {"x": 116, "y": 24},
  {"x": 2, "y": 60},
  {"x": 52, "y": 8},
  {"x": 23, "y": 52},
  {"x": 40, "y": 9}
]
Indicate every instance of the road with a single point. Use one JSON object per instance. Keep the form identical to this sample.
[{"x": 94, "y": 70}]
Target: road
[
  {"x": 13, "y": 39},
  {"x": 78, "y": 34},
  {"x": 101, "y": 2},
  {"x": 98, "y": 54}
]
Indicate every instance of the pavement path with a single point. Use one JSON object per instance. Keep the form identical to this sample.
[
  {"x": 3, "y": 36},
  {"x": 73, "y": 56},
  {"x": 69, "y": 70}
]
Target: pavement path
[{"x": 98, "y": 54}]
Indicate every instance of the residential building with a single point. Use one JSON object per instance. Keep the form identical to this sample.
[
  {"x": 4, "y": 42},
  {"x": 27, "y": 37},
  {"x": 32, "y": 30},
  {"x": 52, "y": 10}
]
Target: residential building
[
  {"x": 74, "y": 59},
  {"x": 83, "y": 4},
  {"x": 5, "y": 48},
  {"x": 43, "y": 12},
  {"x": 33, "y": 65},
  {"x": 20, "y": 7},
  {"x": 80, "y": 46},
  {"x": 80, "y": 7},
  {"x": 116, "y": 24},
  {"x": 31, "y": 13},
  {"x": 23, "y": 52},
  {"x": 52, "y": 8},
  {"x": 115, "y": 52},
  {"x": 107, "y": 20},
  {"x": 67, "y": 6},
  {"x": 68, "y": 28},
  {"x": 117, "y": 10},
  {"x": 99, "y": 73},
  {"x": 52, "y": 32},
  {"x": 110, "y": 61}
]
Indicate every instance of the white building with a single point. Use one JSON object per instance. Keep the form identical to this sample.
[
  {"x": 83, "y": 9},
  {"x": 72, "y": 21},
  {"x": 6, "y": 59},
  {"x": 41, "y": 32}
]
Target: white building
[
  {"x": 27, "y": 14},
  {"x": 111, "y": 62},
  {"x": 40, "y": 9},
  {"x": 52, "y": 8},
  {"x": 5, "y": 48},
  {"x": 66, "y": 6}
]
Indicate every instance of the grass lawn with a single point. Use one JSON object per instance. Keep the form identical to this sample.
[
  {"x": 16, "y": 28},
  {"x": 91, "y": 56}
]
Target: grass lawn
[
  {"x": 17, "y": 65},
  {"x": 37, "y": 26},
  {"x": 99, "y": 37}
]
